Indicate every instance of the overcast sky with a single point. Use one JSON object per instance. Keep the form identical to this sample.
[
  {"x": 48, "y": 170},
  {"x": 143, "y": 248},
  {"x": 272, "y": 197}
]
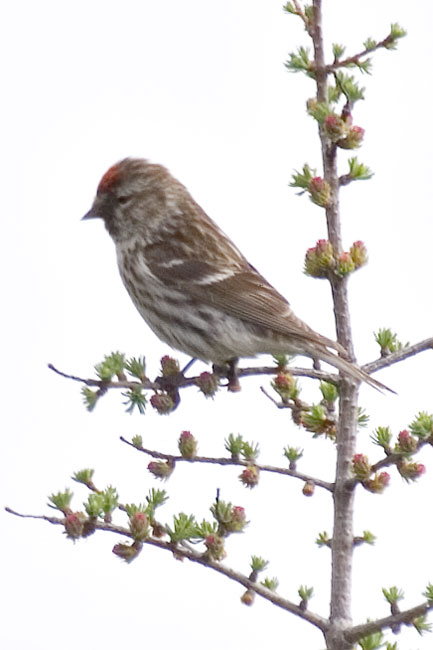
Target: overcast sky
[{"x": 200, "y": 87}]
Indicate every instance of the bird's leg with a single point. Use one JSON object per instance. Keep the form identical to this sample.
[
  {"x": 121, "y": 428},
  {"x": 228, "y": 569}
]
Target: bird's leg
[
  {"x": 229, "y": 371},
  {"x": 188, "y": 365}
]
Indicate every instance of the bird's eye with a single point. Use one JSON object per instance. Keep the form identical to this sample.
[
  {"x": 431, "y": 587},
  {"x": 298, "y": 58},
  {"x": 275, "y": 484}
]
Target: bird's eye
[{"x": 122, "y": 199}]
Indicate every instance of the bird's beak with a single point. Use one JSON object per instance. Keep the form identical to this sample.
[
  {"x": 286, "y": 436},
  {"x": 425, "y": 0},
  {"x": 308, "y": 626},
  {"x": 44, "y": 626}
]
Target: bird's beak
[{"x": 90, "y": 215}]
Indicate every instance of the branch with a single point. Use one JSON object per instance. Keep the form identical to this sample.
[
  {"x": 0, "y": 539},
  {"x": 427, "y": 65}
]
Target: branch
[
  {"x": 395, "y": 457},
  {"x": 342, "y": 538},
  {"x": 359, "y": 631},
  {"x": 192, "y": 381},
  {"x": 231, "y": 461},
  {"x": 197, "y": 557},
  {"x": 398, "y": 356},
  {"x": 300, "y": 12},
  {"x": 354, "y": 60}
]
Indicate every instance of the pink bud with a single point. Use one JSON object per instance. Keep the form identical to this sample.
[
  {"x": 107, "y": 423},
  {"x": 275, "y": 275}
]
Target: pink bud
[
  {"x": 161, "y": 468},
  {"x": 215, "y": 547},
  {"x": 335, "y": 127},
  {"x": 169, "y": 366},
  {"x": 361, "y": 467},
  {"x": 410, "y": 471},
  {"x": 238, "y": 513},
  {"x": 358, "y": 253},
  {"x": 187, "y": 445},
  {"x": 378, "y": 483},
  {"x": 319, "y": 260},
  {"x": 345, "y": 265},
  {"x": 208, "y": 383},
  {"x": 320, "y": 191},
  {"x": 285, "y": 385},
  {"x": 139, "y": 526},
  {"x": 74, "y": 524},
  {"x": 353, "y": 139},
  {"x": 406, "y": 442},
  {"x": 162, "y": 402},
  {"x": 238, "y": 520},
  {"x": 250, "y": 476}
]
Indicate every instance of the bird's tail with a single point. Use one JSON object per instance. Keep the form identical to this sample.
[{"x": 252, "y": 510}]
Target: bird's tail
[{"x": 352, "y": 370}]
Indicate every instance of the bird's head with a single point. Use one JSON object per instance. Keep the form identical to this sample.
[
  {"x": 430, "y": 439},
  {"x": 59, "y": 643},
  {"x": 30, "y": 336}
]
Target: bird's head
[{"x": 131, "y": 197}]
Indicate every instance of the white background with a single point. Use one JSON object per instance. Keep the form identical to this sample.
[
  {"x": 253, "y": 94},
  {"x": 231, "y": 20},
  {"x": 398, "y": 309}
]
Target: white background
[{"x": 200, "y": 87}]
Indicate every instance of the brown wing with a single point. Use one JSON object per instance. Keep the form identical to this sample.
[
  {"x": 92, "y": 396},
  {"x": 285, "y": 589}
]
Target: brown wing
[
  {"x": 235, "y": 287},
  {"x": 248, "y": 295}
]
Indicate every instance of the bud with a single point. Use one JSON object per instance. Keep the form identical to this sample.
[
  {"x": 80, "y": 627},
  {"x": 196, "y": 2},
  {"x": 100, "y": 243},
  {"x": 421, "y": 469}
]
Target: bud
[
  {"x": 247, "y": 597},
  {"x": 215, "y": 547},
  {"x": 127, "y": 552},
  {"x": 139, "y": 526},
  {"x": 378, "y": 483},
  {"x": 238, "y": 520},
  {"x": 74, "y": 524},
  {"x": 410, "y": 471},
  {"x": 137, "y": 441},
  {"x": 285, "y": 385},
  {"x": 208, "y": 383},
  {"x": 358, "y": 253},
  {"x": 353, "y": 139},
  {"x": 89, "y": 526},
  {"x": 308, "y": 489},
  {"x": 250, "y": 476},
  {"x": 335, "y": 127},
  {"x": 361, "y": 467},
  {"x": 162, "y": 402},
  {"x": 320, "y": 191},
  {"x": 406, "y": 442},
  {"x": 169, "y": 366},
  {"x": 345, "y": 265},
  {"x": 319, "y": 260},
  {"x": 161, "y": 468},
  {"x": 187, "y": 445}
]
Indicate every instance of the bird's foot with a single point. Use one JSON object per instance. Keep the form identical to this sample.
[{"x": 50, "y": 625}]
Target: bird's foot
[
  {"x": 316, "y": 364},
  {"x": 229, "y": 370}
]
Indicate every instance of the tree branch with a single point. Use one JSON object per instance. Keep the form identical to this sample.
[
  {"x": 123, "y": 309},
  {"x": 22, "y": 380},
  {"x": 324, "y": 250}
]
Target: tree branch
[
  {"x": 231, "y": 461},
  {"x": 256, "y": 371},
  {"x": 400, "y": 355},
  {"x": 354, "y": 60},
  {"x": 253, "y": 371},
  {"x": 359, "y": 631},
  {"x": 342, "y": 538},
  {"x": 199, "y": 558}
]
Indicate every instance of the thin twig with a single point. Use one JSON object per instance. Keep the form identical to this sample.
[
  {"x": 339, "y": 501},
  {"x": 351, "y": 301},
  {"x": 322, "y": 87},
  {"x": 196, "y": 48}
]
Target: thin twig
[
  {"x": 354, "y": 60},
  {"x": 192, "y": 381},
  {"x": 400, "y": 355},
  {"x": 233, "y": 462},
  {"x": 359, "y": 631},
  {"x": 300, "y": 12},
  {"x": 192, "y": 555},
  {"x": 253, "y": 371}
]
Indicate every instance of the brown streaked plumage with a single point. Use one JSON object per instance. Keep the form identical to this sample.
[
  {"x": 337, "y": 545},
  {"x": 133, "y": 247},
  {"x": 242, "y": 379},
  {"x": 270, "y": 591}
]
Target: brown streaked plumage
[{"x": 190, "y": 283}]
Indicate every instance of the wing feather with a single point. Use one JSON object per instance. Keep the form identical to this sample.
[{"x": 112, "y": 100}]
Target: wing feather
[{"x": 237, "y": 289}]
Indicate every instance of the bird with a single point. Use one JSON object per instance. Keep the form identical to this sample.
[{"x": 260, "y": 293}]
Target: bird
[{"x": 190, "y": 282}]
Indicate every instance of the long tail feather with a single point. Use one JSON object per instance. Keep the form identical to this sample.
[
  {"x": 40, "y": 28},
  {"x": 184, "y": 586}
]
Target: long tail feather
[{"x": 353, "y": 370}]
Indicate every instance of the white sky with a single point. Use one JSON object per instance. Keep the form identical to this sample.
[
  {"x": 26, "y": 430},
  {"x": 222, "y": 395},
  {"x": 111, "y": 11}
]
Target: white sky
[{"x": 200, "y": 87}]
